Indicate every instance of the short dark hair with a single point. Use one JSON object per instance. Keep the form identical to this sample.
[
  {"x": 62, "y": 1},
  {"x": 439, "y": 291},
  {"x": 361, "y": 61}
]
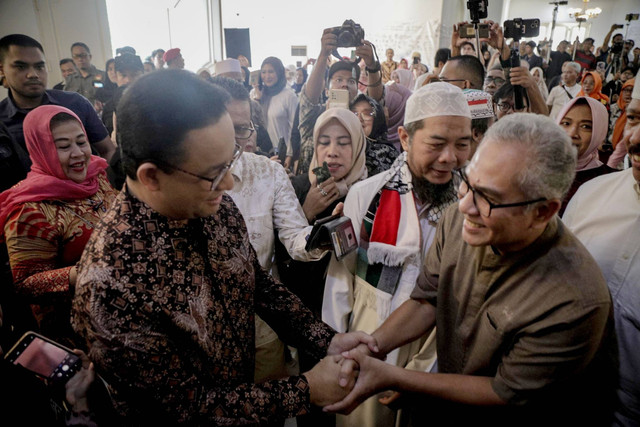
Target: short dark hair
[
  {"x": 155, "y": 52},
  {"x": 152, "y": 123},
  {"x": 616, "y": 35},
  {"x": 442, "y": 55},
  {"x": 473, "y": 69},
  {"x": 128, "y": 62},
  {"x": 344, "y": 65},
  {"x": 481, "y": 125},
  {"x": 17, "y": 40},
  {"x": 83, "y": 45},
  {"x": 588, "y": 39},
  {"x": 65, "y": 61},
  {"x": 506, "y": 91},
  {"x": 233, "y": 87}
]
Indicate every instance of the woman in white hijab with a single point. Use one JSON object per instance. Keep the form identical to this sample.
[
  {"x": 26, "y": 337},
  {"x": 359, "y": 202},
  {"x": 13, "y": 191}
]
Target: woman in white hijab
[{"x": 538, "y": 76}]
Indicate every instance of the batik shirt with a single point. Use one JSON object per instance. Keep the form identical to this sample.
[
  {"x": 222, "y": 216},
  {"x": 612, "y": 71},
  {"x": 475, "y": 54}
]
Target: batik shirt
[
  {"x": 45, "y": 240},
  {"x": 167, "y": 308}
]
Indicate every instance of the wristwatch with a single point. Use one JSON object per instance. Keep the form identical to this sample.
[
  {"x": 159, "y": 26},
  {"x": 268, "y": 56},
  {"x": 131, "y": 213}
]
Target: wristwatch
[{"x": 375, "y": 69}]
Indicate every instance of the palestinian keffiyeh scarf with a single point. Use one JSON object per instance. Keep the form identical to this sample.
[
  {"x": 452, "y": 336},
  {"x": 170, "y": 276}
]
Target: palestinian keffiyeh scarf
[{"x": 390, "y": 234}]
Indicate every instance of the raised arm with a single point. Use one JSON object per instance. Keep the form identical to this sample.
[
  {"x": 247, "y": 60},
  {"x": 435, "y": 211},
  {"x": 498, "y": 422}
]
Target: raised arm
[{"x": 315, "y": 84}]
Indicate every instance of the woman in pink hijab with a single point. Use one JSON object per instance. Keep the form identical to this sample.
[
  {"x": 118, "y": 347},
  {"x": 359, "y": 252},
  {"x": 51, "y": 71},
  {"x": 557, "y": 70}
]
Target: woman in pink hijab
[
  {"x": 586, "y": 122},
  {"x": 47, "y": 218},
  {"x": 403, "y": 78}
]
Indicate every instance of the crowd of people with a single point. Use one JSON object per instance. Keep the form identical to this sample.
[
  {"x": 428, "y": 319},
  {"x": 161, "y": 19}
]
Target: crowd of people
[{"x": 157, "y": 221}]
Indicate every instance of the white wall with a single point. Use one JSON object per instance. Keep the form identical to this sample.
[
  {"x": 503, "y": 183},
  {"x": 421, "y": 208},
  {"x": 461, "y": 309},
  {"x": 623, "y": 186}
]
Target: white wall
[
  {"x": 276, "y": 25},
  {"x": 57, "y": 24},
  {"x": 146, "y": 25}
]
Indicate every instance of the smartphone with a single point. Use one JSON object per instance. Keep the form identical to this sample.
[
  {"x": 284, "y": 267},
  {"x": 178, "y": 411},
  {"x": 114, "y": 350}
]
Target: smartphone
[
  {"x": 518, "y": 28},
  {"x": 468, "y": 31},
  {"x": 322, "y": 173},
  {"x": 254, "y": 77},
  {"x": 44, "y": 357},
  {"x": 338, "y": 98},
  {"x": 416, "y": 60},
  {"x": 282, "y": 151},
  {"x": 98, "y": 84}
]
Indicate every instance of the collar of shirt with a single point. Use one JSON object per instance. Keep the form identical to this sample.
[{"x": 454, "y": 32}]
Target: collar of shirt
[
  {"x": 12, "y": 109},
  {"x": 636, "y": 186}
]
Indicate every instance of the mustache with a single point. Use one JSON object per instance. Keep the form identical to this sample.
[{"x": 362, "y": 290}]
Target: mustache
[{"x": 634, "y": 148}]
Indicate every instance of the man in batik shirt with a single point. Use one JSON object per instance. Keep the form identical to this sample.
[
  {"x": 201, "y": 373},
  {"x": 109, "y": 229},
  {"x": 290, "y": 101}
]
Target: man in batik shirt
[{"x": 169, "y": 284}]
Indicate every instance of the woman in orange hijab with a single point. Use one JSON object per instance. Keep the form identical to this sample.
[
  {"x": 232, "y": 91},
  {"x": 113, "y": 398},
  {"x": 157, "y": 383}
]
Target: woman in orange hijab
[
  {"x": 592, "y": 87},
  {"x": 620, "y": 110}
]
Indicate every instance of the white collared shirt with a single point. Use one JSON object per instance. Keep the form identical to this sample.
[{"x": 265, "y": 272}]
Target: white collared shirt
[
  {"x": 605, "y": 215},
  {"x": 264, "y": 194}
]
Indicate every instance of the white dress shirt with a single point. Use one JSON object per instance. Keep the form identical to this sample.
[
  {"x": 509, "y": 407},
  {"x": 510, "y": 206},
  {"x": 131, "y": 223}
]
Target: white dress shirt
[{"x": 605, "y": 215}]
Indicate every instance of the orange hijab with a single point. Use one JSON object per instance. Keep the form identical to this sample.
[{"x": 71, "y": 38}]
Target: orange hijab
[
  {"x": 596, "y": 93},
  {"x": 618, "y": 129}
]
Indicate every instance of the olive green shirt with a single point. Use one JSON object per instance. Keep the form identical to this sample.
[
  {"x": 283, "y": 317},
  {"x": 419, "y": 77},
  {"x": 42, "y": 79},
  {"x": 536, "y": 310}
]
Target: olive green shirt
[{"x": 531, "y": 320}]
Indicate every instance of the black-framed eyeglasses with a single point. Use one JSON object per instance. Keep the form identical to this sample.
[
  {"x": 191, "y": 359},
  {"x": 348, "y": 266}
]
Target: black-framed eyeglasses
[
  {"x": 244, "y": 133},
  {"x": 214, "y": 181},
  {"x": 498, "y": 81},
  {"x": 505, "y": 106},
  {"x": 481, "y": 202}
]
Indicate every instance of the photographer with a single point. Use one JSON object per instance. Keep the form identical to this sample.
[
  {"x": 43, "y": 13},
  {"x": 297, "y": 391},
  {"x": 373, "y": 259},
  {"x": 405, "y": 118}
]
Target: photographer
[
  {"x": 517, "y": 76},
  {"x": 617, "y": 41},
  {"x": 342, "y": 75}
]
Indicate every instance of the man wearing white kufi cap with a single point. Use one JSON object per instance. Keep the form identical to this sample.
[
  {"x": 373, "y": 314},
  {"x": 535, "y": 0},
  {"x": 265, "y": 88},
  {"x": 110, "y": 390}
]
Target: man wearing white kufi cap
[
  {"x": 523, "y": 314},
  {"x": 605, "y": 215},
  {"x": 395, "y": 214},
  {"x": 229, "y": 68}
]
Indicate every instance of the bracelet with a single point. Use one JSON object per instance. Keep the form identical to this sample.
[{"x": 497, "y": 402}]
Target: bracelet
[{"x": 375, "y": 69}]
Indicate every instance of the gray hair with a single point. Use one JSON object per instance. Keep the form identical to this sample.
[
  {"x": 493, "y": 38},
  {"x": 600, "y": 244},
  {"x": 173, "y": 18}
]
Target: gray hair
[
  {"x": 573, "y": 65},
  {"x": 550, "y": 165}
]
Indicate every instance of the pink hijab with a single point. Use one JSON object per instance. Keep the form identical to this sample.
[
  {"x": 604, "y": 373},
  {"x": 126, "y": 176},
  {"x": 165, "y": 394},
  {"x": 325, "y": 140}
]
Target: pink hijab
[
  {"x": 396, "y": 100},
  {"x": 600, "y": 119},
  {"x": 406, "y": 77},
  {"x": 46, "y": 180}
]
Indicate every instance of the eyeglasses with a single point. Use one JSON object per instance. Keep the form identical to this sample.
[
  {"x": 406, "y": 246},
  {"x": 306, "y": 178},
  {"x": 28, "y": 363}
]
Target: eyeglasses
[
  {"x": 366, "y": 116},
  {"x": 498, "y": 81},
  {"x": 244, "y": 133},
  {"x": 214, "y": 181},
  {"x": 481, "y": 202},
  {"x": 505, "y": 106},
  {"x": 340, "y": 80},
  {"x": 81, "y": 55}
]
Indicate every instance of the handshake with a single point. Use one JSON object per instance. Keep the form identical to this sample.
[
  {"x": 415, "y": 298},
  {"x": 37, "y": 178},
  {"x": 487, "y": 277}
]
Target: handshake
[{"x": 348, "y": 374}]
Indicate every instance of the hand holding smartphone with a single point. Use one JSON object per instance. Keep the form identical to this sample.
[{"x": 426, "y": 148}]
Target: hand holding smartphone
[{"x": 45, "y": 358}]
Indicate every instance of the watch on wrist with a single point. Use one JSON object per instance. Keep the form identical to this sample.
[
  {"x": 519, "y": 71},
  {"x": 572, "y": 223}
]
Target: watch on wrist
[{"x": 375, "y": 69}]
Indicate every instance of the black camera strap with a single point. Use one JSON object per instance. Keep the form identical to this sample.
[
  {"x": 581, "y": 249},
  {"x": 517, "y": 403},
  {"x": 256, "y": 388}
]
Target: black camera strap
[{"x": 567, "y": 92}]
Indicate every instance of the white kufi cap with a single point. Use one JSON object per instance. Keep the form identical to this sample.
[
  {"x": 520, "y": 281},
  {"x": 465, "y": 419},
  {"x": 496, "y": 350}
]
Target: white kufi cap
[
  {"x": 436, "y": 99},
  {"x": 228, "y": 66}
]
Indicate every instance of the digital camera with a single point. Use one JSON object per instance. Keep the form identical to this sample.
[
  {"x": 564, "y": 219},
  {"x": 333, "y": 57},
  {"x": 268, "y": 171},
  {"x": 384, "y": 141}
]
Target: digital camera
[
  {"x": 617, "y": 47},
  {"x": 349, "y": 34}
]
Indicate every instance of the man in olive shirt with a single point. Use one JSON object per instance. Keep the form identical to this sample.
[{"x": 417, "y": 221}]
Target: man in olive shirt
[
  {"x": 88, "y": 79},
  {"x": 523, "y": 314}
]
